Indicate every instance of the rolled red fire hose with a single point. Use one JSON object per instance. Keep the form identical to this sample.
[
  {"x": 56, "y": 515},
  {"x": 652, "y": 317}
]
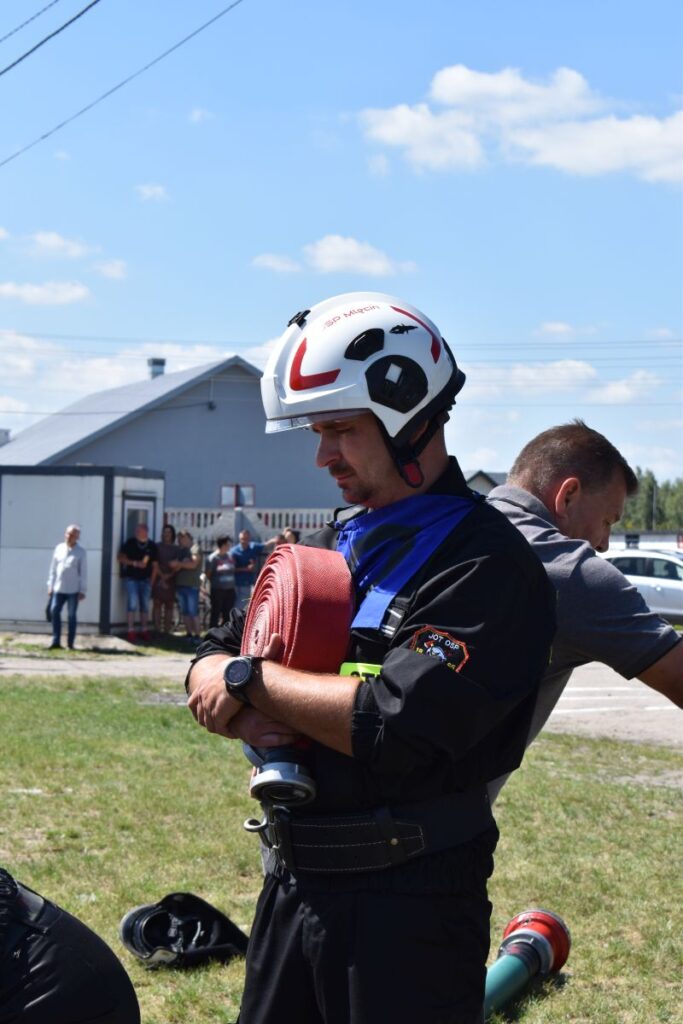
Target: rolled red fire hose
[{"x": 305, "y": 595}]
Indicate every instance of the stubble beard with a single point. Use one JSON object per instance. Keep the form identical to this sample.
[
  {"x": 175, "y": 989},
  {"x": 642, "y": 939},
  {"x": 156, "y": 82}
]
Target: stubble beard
[{"x": 353, "y": 491}]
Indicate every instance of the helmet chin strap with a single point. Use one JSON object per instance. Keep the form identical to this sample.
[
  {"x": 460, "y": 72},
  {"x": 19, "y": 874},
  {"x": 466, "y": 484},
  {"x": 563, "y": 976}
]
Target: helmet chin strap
[{"x": 405, "y": 455}]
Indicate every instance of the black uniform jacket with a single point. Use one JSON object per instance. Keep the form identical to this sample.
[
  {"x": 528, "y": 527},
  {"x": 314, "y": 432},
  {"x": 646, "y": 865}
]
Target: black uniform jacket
[{"x": 440, "y": 721}]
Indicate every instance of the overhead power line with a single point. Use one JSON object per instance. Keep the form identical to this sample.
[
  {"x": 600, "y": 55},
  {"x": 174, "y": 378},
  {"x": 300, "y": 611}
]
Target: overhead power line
[
  {"x": 548, "y": 347},
  {"x": 470, "y": 405},
  {"x": 28, "y": 21},
  {"x": 120, "y": 85},
  {"x": 48, "y": 38}
]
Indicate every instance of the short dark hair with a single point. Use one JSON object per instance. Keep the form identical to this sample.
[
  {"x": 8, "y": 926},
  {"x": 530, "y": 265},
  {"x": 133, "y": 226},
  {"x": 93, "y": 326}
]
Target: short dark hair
[
  {"x": 222, "y": 538},
  {"x": 171, "y": 527},
  {"x": 571, "y": 449}
]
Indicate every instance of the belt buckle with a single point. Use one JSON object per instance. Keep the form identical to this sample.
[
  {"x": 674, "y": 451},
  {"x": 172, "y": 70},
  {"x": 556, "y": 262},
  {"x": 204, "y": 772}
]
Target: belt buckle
[
  {"x": 275, "y": 832},
  {"x": 280, "y": 829}
]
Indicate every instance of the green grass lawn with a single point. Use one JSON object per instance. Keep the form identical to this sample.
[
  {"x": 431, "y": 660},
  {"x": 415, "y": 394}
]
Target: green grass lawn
[{"x": 112, "y": 796}]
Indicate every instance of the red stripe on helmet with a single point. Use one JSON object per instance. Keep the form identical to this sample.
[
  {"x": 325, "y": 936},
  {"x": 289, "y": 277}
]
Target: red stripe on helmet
[
  {"x": 299, "y": 381},
  {"x": 436, "y": 344}
]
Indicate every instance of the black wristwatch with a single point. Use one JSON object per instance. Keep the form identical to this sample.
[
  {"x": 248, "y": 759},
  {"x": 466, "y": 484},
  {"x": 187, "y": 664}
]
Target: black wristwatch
[{"x": 237, "y": 674}]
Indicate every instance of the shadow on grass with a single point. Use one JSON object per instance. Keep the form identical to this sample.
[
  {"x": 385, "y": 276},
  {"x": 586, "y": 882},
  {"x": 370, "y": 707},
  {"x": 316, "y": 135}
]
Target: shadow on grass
[{"x": 539, "y": 990}]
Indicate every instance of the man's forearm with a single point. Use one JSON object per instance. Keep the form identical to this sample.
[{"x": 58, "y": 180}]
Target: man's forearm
[
  {"x": 319, "y": 706},
  {"x": 666, "y": 675}
]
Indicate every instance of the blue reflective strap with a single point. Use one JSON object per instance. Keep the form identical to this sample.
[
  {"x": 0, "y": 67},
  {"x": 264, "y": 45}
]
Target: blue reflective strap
[{"x": 385, "y": 548}]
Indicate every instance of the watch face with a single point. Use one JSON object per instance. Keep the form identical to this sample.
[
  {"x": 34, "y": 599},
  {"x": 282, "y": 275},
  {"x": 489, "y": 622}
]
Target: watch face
[{"x": 238, "y": 672}]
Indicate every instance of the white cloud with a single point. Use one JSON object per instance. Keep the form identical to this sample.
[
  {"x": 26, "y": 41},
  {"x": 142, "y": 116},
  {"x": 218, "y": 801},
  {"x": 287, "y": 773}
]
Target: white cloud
[
  {"x": 664, "y": 461},
  {"x": 442, "y": 141},
  {"x": 61, "y": 154},
  {"x": 555, "y": 327},
  {"x": 505, "y": 117},
  {"x": 13, "y": 405},
  {"x": 52, "y": 293},
  {"x": 50, "y": 243},
  {"x": 33, "y": 367},
  {"x": 487, "y": 381},
  {"x": 128, "y": 365},
  {"x": 198, "y": 114},
  {"x": 650, "y": 148},
  {"x": 152, "y": 193},
  {"x": 115, "y": 270},
  {"x": 337, "y": 254},
  {"x": 482, "y": 458},
  {"x": 629, "y": 389},
  {"x": 563, "y": 375},
  {"x": 259, "y": 354},
  {"x": 505, "y": 96},
  {"x": 280, "y": 264},
  {"x": 20, "y": 356},
  {"x": 3, "y": 233}
]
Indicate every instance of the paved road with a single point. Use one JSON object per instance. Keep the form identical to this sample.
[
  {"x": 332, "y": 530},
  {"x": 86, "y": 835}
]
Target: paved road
[{"x": 597, "y": 702}]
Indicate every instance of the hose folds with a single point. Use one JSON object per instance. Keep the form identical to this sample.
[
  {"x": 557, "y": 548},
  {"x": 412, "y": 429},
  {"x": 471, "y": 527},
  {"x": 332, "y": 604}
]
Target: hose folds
[{"x": 306, "y": 595}]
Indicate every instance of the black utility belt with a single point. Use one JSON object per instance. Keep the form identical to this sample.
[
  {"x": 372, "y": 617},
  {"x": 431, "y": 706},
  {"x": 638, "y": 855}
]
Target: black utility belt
[{"x": 372, "y": 840}]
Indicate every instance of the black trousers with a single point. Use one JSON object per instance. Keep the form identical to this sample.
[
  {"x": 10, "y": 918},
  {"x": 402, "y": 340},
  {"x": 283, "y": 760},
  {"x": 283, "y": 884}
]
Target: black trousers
[
  {"x": 55, "y": 970},
  {"x": 365, "y": 957},
  {"x": 222, "y": 602}
]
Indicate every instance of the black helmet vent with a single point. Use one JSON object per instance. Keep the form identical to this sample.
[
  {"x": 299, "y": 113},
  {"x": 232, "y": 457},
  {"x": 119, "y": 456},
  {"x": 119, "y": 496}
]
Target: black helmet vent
[
  {"x": 397, "y": 382},
  {"x": 367, "y": 344}
]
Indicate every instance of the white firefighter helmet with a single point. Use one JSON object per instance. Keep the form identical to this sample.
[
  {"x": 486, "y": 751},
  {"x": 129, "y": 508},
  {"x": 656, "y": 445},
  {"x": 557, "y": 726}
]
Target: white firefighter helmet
[{"x": 363, "y": 351}]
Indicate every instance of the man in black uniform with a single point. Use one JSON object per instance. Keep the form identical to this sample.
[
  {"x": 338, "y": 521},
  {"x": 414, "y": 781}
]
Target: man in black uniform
[
  {"x": 54, "y": 969},
  {"x": 374, "y": 905}
]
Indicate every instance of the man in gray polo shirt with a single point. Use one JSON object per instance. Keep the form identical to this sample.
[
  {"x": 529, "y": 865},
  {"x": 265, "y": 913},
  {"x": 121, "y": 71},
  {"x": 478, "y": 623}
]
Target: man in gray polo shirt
[{"x": 565, "y": 491}]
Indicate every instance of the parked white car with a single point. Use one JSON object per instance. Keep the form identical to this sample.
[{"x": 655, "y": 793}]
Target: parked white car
[{"x": 658, "y": 575}]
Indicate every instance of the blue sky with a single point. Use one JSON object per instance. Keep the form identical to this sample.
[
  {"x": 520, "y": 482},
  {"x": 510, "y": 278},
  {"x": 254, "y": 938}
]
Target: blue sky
[{"x": 513, "y": 169}]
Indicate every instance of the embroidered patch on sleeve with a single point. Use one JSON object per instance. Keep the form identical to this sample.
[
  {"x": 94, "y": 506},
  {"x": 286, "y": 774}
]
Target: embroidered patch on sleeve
[{"x": 437, "y": 644}]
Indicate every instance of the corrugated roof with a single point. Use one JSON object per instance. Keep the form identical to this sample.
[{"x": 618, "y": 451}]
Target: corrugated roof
[{"x": 55, "y": 436}]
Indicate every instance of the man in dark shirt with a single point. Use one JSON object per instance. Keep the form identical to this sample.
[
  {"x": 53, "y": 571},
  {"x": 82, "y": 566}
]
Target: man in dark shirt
[
  {"x": 139, "y": 559},
  {"x": 375, "y": 904},
  {"x": 220, "y": 572}
]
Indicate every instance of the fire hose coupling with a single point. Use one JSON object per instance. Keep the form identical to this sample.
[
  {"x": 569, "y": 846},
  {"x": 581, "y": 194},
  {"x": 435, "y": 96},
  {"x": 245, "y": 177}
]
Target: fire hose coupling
[
  {"x": 545, "y": 932},
  {"x": 535, "y": 943}
]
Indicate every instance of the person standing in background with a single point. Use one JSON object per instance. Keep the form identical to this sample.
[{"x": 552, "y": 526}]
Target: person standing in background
[
  {"x": 163, "y": 591},
  {"x": 188, "y": 568},
  {"x": 66, "y": 584},
  {"x": 140, "y": 561},
  {"x": 220, "y": 572},
  {"x": 245, "y": 555}
]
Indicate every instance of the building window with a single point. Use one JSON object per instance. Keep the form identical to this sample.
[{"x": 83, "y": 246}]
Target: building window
[{"x": 237, "y": 495}]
